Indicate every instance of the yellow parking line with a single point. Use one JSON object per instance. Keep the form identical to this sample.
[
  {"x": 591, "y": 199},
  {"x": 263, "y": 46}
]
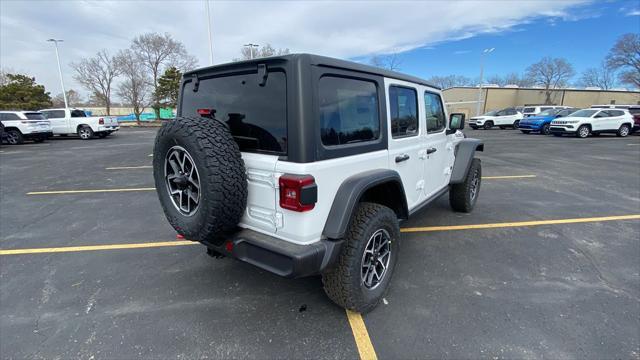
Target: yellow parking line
[
  {"x": 507, "y": 177},
  {"x": 96, "y": 247},
  {"x": 129, "y": 167},
  {"x": 61, "y": 192},
  {"x": 520, "y": 224},
  {"x": 361, "y": 336},
  {"x": 405, "y": 230}
]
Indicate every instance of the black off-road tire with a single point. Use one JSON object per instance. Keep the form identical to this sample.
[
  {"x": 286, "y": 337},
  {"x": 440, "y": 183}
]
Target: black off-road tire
[
  {"x": 488, "y": 125},
  {"x": 343, "y": 280},
  {"x": 461, "y": 196},
  {"x": 221, "y": 171}
]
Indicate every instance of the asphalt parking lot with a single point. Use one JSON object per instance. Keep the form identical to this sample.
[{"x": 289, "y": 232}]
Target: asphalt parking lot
[{"x": 545, "y": 267}]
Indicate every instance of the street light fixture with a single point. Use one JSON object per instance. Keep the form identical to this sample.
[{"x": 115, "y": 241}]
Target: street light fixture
[
  {"x": 206, "y": 5},
  {"x": 484, "y": 52},
  {"x": 64, "y": 93},
  {"x": 251, "y": 46}
]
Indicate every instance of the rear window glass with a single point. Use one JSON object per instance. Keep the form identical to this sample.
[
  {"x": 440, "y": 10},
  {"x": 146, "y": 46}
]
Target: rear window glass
[
  {"x": 34, "y": 116},
  {"x": 404, "y": 111},
  {"x": 348, "y": 111},
  {"x": 78, "y": 113},
  {"x": 529, "y": 109},
  {"x": 54, "y": 114},
  {"x": 256, "y": 115}
]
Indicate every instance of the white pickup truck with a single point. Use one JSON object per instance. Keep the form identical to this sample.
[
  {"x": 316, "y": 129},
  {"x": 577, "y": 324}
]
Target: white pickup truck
[{"x": 75, "y": 121}]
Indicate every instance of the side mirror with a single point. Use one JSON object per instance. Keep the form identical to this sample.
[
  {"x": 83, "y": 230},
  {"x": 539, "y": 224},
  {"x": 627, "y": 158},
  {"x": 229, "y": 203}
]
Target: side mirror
[{"x": 456, "y": 122}]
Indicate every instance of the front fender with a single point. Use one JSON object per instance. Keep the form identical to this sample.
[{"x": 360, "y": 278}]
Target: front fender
[{"x": 465, "y": 151}]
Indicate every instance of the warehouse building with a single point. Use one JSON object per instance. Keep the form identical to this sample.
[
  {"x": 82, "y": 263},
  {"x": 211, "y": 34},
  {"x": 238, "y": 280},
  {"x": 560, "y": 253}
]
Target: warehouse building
[{"x": 465, "y": 99}]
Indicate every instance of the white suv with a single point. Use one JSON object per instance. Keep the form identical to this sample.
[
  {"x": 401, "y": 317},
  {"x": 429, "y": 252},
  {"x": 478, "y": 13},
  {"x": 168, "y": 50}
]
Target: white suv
[
  {"x": 504, "y": 118},
  {"x": 594, "y": 121},
  {"x": 304, "y": 165},
  {"x": 25, "y": 125}
]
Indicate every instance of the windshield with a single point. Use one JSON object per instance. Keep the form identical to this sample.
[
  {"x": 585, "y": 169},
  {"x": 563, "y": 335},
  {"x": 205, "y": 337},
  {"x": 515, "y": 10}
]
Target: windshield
[
  {"x": 548, "y": 112},
  {"x": 255, "y": 112},
  {"x": 35, "y": 116},
  {"x": 491, "y": 113},
  {"x": 583, "y": 113},
  {"x": 529, "y": 110}
]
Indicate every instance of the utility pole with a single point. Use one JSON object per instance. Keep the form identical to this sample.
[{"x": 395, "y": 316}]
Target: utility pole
[
  {"x": 251, "y": 46},
  {"x": 484, "y": 52},
  {"x": 64, "y": 93},
  {"x": 206, "y": 5}
]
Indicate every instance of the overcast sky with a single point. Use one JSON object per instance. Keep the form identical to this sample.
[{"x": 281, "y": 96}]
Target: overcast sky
[{"x": 351, "y": 30}]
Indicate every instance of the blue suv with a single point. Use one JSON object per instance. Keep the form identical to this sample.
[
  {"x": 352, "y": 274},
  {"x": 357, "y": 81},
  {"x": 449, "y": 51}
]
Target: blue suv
[{"x": 541, "y": 122}]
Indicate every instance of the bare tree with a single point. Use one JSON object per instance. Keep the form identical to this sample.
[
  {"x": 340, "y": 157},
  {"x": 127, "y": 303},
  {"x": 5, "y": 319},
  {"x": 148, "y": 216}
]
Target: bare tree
[
  {"x": 603, "y": 77},
  {"x": 135, "y": 88},
  {"x": 551, "y": 73},
  {"x": 510, "y": 79},
  {"x": 450, "y": 81},
  {"x": 261, "y": 52},
  {"x": 73, "y": 99},
  {"x": 625, "y": 55},
  {"x": 156, "y": 53},
  {"x": 390, "y": 62},
  {"x": 97, "y": 74}
]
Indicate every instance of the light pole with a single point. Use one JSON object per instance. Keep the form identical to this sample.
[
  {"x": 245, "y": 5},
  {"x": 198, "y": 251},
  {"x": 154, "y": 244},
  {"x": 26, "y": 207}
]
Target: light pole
[
  {"x": 484, "y": 52},
  {"x": 64, "y": 93},
  {"x": 206, "y": 5},
  {"x": 251, "y": 46}
]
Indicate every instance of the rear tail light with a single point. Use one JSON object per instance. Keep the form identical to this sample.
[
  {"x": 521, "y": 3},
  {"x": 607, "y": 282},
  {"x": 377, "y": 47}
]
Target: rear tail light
[
  {"x": 101, "y": 121},
  {"x": 298, "y": 192}
]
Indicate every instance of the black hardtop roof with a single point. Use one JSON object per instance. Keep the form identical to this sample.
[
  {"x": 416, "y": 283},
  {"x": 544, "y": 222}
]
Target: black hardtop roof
[{"x": 320, "y": 61}]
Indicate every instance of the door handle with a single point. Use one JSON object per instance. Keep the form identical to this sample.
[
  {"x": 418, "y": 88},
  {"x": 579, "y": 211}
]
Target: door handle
[
  {"x": 431, "y": 150},
  {"x": 401, "y": 158}
]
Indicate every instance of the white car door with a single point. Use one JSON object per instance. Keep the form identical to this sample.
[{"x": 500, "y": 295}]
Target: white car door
[
  {"x": 58, "y": 121},
  {"x": 407, "y": 150},
  {"x": 438, "y": 150},
  {"x": 599, "y": 121}
]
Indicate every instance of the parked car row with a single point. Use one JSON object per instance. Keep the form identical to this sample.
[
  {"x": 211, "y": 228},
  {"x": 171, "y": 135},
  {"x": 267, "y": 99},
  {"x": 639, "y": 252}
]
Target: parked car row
[
  {"x": 617, "y": 119},
  {"x": 18, "y": 126}
]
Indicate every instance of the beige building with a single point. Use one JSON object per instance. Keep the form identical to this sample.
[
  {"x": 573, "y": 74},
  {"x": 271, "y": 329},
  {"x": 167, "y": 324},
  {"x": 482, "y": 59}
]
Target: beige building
[{"x": 464, "y": 99}]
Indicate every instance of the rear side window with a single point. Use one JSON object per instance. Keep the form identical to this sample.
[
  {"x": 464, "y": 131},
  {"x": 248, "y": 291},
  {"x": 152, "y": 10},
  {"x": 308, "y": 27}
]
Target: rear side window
[
  {"x": 78, "y": 113},
  {"x": 404, "y": 111},
  {"x": 434, "y": 112},
  {"x": 529, "y": 110},
  {"x": 348, "y": 111},
  {"x": 616, "y": 113},
  {"x": 255, "y": 114},
  {"x": 54, "y": 114},
  {"x": 10, "y": 116},
  {"x": 34, "y": 116}
]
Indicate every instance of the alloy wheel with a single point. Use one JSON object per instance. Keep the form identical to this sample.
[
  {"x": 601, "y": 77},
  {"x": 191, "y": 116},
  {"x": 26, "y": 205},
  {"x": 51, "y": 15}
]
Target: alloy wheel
[
  {"x": 182, "y": 180},
  {"x": 12, "y": 138},
  {"x": 376, "y": 258}
]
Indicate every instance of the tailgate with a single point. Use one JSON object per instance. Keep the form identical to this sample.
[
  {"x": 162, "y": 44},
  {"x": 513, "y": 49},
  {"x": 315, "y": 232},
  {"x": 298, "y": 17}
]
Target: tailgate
[{"x": 262, "y": 184}]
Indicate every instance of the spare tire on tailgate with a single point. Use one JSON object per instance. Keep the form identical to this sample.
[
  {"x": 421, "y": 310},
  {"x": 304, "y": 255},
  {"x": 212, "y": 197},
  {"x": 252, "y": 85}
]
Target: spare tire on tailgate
[{"x": 200, "y": 178}]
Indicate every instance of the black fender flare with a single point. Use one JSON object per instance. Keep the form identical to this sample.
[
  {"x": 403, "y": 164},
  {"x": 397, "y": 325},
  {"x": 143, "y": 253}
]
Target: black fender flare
[
  {"x": 350, "y": 193},
  {"x": 465, "y": 151}
]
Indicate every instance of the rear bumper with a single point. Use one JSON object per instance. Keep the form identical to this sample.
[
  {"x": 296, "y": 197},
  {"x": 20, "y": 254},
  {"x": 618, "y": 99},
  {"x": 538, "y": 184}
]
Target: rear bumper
[
  {"x": 278, "y": 256},
  {"x": 108, "y": 128}
]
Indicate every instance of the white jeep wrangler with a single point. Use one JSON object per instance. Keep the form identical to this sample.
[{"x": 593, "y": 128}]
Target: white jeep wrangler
[{"x": 304, "y": 165}]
